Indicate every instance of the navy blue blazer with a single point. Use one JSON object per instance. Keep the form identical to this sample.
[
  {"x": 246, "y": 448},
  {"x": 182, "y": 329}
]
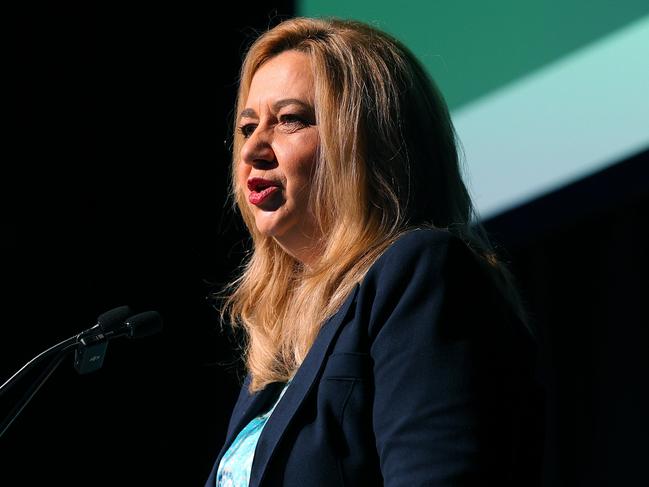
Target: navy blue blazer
[{"x": 421, "y": 378}]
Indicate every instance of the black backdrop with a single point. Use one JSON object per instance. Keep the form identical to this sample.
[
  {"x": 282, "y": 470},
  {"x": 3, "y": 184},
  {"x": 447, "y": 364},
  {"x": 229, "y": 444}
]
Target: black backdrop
[
  {"x": 114, "y": 192},
  {"x": 114, "y": 188},
  {"x": 581, "y": 257}
]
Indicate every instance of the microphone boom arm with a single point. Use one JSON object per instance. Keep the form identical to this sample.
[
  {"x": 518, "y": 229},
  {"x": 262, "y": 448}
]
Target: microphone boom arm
[{"x": 90, "y": 349}]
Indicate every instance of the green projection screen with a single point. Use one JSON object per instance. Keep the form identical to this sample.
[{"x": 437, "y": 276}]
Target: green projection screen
[{"x": 542, "y": 93}]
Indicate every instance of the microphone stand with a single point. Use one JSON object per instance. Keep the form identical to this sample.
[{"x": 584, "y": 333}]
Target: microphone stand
[
  {"x": 31, "y": 392},
  {"x": 59, "y": 347},
  {"x": 108, "y": 321},
  {"x": 90, "y": 349}
]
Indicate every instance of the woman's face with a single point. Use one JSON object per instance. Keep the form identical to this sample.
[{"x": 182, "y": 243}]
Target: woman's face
[{"x": 278, "y": 157}]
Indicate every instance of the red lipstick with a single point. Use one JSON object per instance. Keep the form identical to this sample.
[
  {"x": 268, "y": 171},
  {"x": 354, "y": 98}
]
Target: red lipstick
[{"x": 261, "y": 189}]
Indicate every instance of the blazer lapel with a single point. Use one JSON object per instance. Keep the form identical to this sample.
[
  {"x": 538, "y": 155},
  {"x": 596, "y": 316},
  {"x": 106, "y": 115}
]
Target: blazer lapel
[
  {"x": 296, "y": 392},
  {"x": 247, "y": 407}
]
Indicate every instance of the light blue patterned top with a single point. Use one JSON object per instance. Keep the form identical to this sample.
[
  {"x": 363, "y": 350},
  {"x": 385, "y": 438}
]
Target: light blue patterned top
[{"x": 234, "y": 467}]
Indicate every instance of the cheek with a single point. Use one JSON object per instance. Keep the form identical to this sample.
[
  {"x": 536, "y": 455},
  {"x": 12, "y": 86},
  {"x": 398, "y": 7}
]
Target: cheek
[
  {"x": 242, "y": 171},
  {"x": 300, "y": 180},
  {"x": 302, "y": 169},
  {"x": 307, "y": 173}
]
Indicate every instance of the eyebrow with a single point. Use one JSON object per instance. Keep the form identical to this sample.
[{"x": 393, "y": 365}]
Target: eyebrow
[{"x": 278, "y": 105}]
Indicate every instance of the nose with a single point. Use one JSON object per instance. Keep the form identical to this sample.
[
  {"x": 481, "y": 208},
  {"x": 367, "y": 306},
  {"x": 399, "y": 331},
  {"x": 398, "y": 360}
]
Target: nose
[{"x": 257, "y": 150}]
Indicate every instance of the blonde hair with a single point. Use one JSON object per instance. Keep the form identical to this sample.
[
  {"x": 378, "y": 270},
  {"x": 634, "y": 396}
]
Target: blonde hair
[{"x": 388, "y": 162}]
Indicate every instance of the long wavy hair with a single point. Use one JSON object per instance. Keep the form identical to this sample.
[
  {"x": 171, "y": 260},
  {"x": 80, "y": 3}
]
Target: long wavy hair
[{"x": 388, "y": 162}]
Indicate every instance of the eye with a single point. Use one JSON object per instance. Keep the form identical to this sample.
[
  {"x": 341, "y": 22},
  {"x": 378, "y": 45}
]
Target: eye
[
  {"x": 247, "y": 129},
  {"x": 292, "y": 121}
]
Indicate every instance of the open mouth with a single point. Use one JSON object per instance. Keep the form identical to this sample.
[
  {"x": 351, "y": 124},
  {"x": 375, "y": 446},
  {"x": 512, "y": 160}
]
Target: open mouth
[
  {"x": 261, "y": 189},
  {"x": 258, "y": 185}
]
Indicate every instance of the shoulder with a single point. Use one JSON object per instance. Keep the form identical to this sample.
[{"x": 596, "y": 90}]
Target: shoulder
[
  {"x": 413, "y": 246},
  {"x": 416, "y": 241},
  {"x": 409, "y": 271},
  {"x": 414, "y": 253},
  {"x": 428, "y": 272}
]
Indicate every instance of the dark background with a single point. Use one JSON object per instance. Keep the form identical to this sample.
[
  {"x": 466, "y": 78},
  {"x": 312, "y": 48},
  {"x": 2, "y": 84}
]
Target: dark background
[
  {"x": 114, "y": 192},
  {"x": 115, "y": 189}
]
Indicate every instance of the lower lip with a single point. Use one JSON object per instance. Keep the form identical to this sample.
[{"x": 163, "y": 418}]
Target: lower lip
[{"x": 257, "y": 198}]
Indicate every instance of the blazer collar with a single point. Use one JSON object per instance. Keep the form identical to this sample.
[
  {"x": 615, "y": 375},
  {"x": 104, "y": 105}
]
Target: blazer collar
[{"x": 253, "y": 404}]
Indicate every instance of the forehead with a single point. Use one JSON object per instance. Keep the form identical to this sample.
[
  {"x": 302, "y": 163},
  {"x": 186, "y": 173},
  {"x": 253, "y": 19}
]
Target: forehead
[{"x": 286, "y": 75}]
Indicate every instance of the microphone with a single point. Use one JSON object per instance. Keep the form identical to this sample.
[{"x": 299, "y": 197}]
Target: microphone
[
  {"x": 139, "y": 326},
  {"x": 109, "y": 320},
  {"x": 89, "y": 356},
  {"x": 90, "y": 350},
  {"x": 105, "y": 322}
]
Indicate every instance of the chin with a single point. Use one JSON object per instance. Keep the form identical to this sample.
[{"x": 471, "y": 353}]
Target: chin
[{"x": 268, "y": 230}]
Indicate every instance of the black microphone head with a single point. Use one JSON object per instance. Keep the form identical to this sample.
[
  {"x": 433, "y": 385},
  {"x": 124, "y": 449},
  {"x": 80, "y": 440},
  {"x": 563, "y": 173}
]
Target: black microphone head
[
  {"x": 114, "y": 318},
  {"x": 144, "y": 324}
]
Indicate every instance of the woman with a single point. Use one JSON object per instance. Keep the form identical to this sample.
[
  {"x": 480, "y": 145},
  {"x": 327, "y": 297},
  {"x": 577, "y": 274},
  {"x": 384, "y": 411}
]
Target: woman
[{"x": 385, "y": 343}]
